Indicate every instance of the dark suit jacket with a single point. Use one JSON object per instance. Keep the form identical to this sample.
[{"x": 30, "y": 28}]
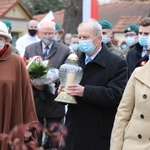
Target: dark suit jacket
[
  {"x": 90, "y": 122},
  {"x": 44, "y": 100},
  {"x": 143, "y": 61},
  {"x": 134, "y": 57}
]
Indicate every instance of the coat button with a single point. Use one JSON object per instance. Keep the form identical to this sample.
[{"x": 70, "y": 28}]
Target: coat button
[
  {"x": 144, "y": 96},
  {"x": 139, "y": 136},
  {"x": 142, "y": 116}
]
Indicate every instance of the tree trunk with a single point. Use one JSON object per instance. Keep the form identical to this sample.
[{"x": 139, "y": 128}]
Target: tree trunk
[{"x": 73, "y": 15}]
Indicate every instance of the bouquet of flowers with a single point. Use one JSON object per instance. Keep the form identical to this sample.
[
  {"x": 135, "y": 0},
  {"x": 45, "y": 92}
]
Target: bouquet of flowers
[{"x": 40, "y": 71}]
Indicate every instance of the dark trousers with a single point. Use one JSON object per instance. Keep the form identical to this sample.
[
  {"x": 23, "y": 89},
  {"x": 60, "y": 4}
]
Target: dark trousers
[{"x": 45, "y": 122}]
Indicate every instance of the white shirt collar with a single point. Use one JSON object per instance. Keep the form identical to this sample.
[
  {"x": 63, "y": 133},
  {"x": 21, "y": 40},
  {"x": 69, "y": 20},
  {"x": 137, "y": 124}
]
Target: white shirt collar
[
  {"x": 43, "y": 46},
  {"x": 144, "y": 52},
  {"x": 93, "y": 56}
]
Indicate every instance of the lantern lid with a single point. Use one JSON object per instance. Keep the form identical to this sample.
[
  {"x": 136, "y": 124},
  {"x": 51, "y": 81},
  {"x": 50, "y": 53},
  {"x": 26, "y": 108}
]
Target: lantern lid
[{"x": 73, "y": 57}]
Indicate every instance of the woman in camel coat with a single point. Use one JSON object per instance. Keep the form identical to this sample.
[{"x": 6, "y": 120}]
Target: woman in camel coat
[{"x": 131, "y": 129}]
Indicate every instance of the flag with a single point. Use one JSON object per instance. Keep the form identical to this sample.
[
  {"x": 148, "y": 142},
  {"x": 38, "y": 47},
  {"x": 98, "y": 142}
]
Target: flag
[
  {"x": 49, "y": 16},
  {"x": 89, "y": 9}
]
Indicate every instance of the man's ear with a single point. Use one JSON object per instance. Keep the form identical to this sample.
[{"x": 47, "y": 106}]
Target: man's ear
[{"x": 99, "y": 37}]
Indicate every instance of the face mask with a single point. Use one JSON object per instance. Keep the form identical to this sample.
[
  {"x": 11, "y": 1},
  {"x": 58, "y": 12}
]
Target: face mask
[
  {"x": 67, "y": 42},
  {"x": 47, "y": 40},
  {"x": 2, "y": 44},
  {"x": 75, "y": 46},
  {"x": 130, "y": 41},
  {"x": 32, "y": 32},
  {"x": 56, "y": 38},
  {"x": 143, "y": 40},
  {"x": 105, "y": 39},
  {"x": 86, "y": 46},
  {"x": 124, "y": 46}
]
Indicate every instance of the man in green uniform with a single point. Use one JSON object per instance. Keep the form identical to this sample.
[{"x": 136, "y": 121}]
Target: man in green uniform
[{"x": 107, "y": 36}]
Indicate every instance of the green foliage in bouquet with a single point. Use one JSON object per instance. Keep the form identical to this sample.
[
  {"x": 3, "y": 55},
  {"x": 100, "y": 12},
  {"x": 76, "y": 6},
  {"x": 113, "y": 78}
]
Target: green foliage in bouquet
[{"x": 37, "y": 70}]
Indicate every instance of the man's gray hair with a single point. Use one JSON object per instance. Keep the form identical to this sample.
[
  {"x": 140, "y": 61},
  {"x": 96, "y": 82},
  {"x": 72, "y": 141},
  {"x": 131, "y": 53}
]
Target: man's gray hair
[
  {"x": 46, "y": 21},
  {"x": 92, "y": 25}
]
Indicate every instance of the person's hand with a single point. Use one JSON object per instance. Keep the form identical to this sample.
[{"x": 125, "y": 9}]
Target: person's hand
[
  {"x": 60, "y": 88},
  {"x": 27, "y": 135},
  {"x": 75, "y": 90}
]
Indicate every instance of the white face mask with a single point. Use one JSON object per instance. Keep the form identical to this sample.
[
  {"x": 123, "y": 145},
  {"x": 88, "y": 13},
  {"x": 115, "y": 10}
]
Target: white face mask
[
  {"x": 2, "y": 44},
  {"x": 47, "y": 40}
]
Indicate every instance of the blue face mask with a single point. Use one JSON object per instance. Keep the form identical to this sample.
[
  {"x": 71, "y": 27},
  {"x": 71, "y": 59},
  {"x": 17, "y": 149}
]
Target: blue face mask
[
  {"x": 75, "y": 46},
  {"x": 105, "y": 39},
  {"x": 130, "y": 41},
  {"x": 86, "y": 46},
  {"x": 143, "y": 40},
  {"x": 56, "y": 38},
  {"x": 67, "y": 42},
  {"x": 124, "y": 46}
]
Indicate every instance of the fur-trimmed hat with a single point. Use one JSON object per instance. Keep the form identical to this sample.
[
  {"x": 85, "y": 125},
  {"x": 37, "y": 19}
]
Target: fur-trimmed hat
[{"x": 4, "y": 31}]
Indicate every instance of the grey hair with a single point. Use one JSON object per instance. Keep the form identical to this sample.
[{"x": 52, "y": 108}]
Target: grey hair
[
  {"x": 46, "y": 21},
  {"x": 92, "y": 25}
]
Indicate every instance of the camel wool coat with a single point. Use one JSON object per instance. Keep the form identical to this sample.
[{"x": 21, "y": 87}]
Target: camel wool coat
[
  {"x": 16, "y": 97},
  {"x": 131, "y": 129}
]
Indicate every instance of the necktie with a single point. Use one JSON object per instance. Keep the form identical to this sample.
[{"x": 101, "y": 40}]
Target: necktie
[
  {"x": 46, "y": 52},
  {"x": 88, "y": 60}
]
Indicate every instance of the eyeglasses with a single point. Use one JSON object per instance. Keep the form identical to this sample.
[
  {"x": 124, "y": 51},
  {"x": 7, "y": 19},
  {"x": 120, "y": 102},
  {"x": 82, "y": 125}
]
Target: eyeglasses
[{"x": 130, "y": 35}]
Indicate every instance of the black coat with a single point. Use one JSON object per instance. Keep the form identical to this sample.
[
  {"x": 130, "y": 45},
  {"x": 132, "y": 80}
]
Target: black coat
[
  {"x": 90, "y": 122},
  {"x": 44, "y": 100},
  {"x": 142, "y": 61},
  {"x": 134, "y": 57}
]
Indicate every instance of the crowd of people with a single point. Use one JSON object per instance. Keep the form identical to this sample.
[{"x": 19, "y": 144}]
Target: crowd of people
[{"x": 112, "y": 110}]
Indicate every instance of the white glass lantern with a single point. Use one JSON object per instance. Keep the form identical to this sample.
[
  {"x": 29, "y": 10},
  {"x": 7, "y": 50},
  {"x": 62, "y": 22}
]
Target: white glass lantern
[{"x": 69, "y": 73}]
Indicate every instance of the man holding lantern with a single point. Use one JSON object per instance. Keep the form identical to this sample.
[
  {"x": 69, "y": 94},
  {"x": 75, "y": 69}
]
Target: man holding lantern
[{"x": 90, "y": 121}]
